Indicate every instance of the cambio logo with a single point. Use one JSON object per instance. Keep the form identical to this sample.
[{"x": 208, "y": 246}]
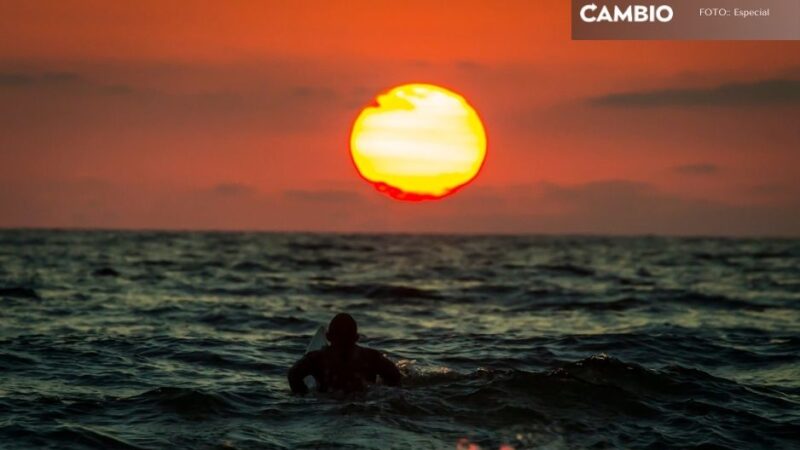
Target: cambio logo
[{"x": 631, "y": 13}]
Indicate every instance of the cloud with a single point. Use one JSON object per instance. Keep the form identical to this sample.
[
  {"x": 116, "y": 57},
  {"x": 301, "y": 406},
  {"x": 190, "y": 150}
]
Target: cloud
[
  {"x": 51, "y": 82},
  {"x": 629, "y": 207},
  {"x": 95, "y": 203},
  {"x": 756, "y": 93},
  {"x": 322, "y": 196},
  {"x": 469, "y": 65},
  {"x": 15, "y": 79},
  {"x": 620, "y": 190},
  {"x": 314, "y": 91},
  {"x": 112, "y": 102},
  {"x": 70, "y": 81},
  {"x": 614, "y": 207},
  {"x": 610, "y": 207},
  {"x": 233, "y": 189},
  {"x": 697, "y": 169},
  {"x": 768, "y": 189},
  {"x": 29, "y": 79}
]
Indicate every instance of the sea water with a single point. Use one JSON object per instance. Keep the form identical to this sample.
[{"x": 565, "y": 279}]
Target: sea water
[{"x": 182, "y": 340}]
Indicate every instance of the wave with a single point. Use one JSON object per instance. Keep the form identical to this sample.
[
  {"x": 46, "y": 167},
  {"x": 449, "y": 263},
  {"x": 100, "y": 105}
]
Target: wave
[
  {"x": 596, "y": 375},
  {"x": 377, "y": 291},
  {"x": 249, "y": 266},
  {"x": 105, "y": 272},
  {"x": 89, "y": 437},
  {"x": 184, "y": 401},
  {"x": 20, "y": 292},
  {"x": 189, "y": 345},
  {"x": 66, "y": 436},
  {"x": 568, "y": 269},
  {"x": 714, "y": 301},
  {"x": 260, "y": 291},
  {"x": 243, "y": 318},
  {"x": 560, "y": 299},
  {"x": 599, "y": 389},
  {"x": 12, "y": 361},
  {"x": 566, "y": 305}
]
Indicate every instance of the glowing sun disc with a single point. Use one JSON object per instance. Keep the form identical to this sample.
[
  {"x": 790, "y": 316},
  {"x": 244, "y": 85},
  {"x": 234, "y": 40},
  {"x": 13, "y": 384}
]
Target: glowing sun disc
[{"x": 418, "y": 142}]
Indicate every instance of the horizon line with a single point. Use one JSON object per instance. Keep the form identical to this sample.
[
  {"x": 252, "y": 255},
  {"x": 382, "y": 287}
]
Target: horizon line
[{"x": 574, "y": 234}]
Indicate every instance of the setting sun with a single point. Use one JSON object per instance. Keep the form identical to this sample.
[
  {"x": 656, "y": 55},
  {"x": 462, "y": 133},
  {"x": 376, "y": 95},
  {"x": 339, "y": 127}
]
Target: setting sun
[{"x": 418, "y": 142}]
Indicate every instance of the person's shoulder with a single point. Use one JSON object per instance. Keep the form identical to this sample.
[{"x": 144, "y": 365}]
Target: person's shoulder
[
  {"x": 314, "y": 355},
  {"x": 370, "y": 352}
]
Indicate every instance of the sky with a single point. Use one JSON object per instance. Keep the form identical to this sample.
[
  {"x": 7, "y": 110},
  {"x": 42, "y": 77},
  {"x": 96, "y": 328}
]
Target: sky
[{"x": 236, "y": 116}]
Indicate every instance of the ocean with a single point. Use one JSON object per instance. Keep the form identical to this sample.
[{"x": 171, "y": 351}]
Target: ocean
[{"x": 158, "y": 340}]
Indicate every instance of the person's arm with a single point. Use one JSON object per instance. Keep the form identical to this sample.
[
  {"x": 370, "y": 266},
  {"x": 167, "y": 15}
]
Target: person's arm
[
  {"x": 301, "y": 369},
  {"x": 389, "y": 373}
]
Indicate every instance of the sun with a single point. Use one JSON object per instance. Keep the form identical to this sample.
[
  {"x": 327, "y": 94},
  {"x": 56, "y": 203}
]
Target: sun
[{"x": 418, "y": 142}]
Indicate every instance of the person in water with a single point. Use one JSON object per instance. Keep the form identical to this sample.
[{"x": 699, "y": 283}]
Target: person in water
[{"x": 343, "y": 365}]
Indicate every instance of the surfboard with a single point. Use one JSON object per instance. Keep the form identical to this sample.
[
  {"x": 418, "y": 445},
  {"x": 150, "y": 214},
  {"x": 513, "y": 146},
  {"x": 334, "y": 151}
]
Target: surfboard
[{"x": 318, "y": 342}]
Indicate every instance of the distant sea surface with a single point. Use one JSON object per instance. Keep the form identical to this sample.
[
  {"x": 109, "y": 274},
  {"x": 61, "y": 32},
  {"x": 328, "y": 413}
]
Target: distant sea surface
[{"x": 182, "y": 340}]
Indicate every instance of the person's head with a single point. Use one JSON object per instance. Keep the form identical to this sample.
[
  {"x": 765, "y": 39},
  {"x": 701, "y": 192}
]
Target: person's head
[{"x": 342, "y": 330}]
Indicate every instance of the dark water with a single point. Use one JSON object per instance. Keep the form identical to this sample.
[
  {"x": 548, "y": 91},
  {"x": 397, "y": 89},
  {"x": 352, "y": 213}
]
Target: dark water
[{"x": 152, "y": 340}]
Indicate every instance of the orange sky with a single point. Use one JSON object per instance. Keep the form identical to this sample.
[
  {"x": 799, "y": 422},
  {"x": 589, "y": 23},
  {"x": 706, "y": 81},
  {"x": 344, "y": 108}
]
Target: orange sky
[{"x": 235, "y": 115}]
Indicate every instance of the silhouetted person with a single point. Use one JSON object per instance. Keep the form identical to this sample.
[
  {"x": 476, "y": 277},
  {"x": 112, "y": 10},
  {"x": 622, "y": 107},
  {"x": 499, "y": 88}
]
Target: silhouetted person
[{"x": 343, "y": 365}]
